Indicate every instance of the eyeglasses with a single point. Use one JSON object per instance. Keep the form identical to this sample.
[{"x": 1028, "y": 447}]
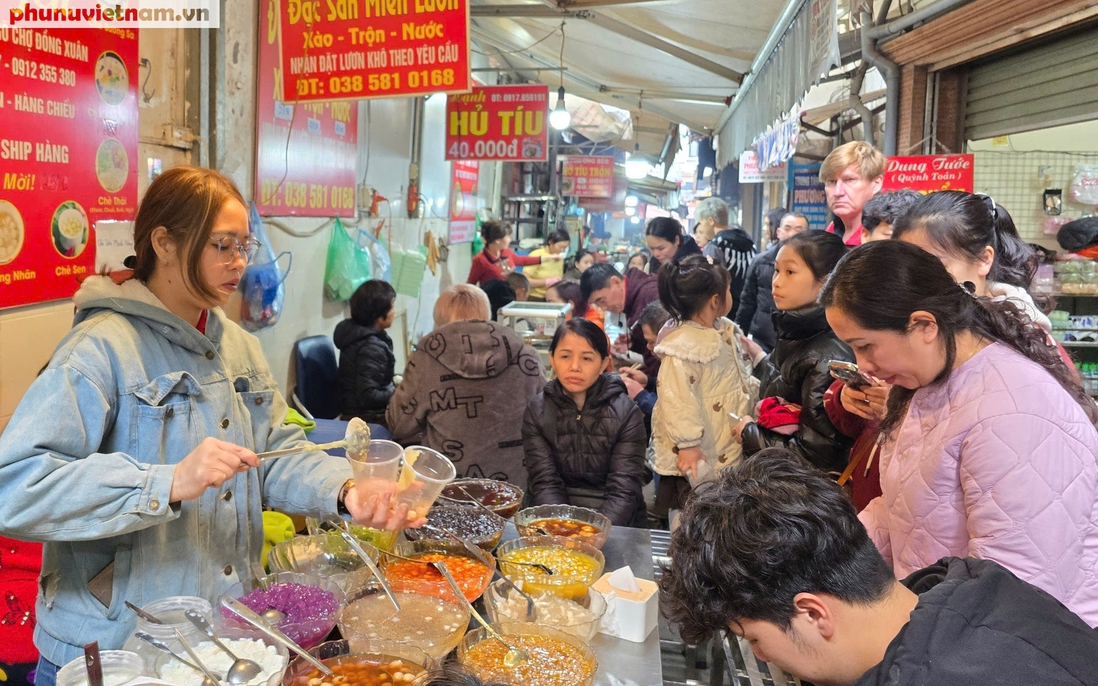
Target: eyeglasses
[{"x": 229, "y": 249}]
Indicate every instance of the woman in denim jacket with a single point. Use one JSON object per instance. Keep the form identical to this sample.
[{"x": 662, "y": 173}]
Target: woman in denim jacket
[{"x": 132, "y": 456}]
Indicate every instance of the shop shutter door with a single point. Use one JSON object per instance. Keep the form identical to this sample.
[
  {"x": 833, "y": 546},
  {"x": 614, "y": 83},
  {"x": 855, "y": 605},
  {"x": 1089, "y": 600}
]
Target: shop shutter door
[{"x": 1048, "y": 85}]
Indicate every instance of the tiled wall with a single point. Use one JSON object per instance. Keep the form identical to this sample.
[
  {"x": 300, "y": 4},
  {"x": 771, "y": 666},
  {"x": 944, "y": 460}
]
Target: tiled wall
[{"x": 1017, "y": 181}]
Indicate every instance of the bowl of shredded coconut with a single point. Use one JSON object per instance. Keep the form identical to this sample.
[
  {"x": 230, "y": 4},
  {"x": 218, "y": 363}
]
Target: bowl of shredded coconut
[{"x": 271, "y": 657}]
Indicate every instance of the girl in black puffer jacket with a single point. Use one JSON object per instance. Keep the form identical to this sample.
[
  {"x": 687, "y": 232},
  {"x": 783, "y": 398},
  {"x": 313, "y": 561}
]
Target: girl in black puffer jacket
[
  {"x": 366, "y": 359},
  {"x": 797, "y": 370},
  {"x": 584, "y": 437}
]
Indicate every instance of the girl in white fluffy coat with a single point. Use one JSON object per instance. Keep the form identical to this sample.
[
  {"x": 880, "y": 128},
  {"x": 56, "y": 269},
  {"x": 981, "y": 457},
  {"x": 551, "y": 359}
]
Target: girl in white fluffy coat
[{"x": 702, "y": 378}]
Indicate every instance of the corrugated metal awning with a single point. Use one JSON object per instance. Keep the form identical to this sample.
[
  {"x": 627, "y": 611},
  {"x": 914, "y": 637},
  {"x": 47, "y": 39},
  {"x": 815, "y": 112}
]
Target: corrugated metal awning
[{"x": 777, "y": 81}]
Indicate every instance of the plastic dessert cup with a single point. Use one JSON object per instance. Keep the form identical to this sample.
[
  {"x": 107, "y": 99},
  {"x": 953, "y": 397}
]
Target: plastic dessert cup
[{"x": 432, "y": 470}]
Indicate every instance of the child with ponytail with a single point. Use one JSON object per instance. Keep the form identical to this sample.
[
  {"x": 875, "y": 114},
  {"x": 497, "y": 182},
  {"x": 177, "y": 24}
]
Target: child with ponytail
[{"x": 702, "y": 378}]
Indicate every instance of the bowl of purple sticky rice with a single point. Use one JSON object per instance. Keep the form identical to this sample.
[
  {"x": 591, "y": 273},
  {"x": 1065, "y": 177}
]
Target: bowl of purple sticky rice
[{"x": 311, "y": 605}]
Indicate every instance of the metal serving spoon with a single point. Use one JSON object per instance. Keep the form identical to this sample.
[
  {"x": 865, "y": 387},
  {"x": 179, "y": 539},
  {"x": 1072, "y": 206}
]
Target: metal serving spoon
[
  {"x": 142, "y": 614},
  {"x": 194, "y": 656},
  {"x": 531, "y": 612},
  {"x": 163, "y": 647},
  {"x": 475, "y": 550},
  {"x": 244, "y": 612},
  {"x": 356, "y": 440},
  {"x": 514, "y": 656},
  {"x": 353, "y": 542},
  {"x": 270, "y": 614},
  {"x": 241, "y": 671}
]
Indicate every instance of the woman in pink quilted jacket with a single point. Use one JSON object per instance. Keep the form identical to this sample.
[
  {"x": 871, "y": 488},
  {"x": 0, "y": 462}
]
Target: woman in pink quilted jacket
[{"x": 990, "y": 445}]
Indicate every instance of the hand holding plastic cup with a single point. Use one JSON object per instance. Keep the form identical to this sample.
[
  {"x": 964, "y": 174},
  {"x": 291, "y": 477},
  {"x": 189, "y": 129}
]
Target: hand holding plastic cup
[
  {"x": 431, "y": 472},
  {"x": 378, "y": 469}
]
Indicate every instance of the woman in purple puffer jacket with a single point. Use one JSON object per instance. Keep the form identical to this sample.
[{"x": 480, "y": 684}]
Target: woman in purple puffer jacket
[{"x": 990, "y": 445}]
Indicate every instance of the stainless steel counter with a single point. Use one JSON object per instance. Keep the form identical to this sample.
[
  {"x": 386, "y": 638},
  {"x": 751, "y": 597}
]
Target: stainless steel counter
[{"x": 624, "y": 663}]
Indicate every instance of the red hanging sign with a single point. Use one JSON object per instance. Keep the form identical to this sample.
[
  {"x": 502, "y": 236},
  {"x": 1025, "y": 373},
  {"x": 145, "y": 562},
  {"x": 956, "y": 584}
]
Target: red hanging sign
[
  {"x": 354, "y": 49},
  {"x": 587, "y": 176},
  {"x": 68, "y": 154},
  {"x": 463, "y": 202},
  {"x": 504, "y": 123},
  {"x": 929, "y": 173},
  {"x": 306, "y": 153}
]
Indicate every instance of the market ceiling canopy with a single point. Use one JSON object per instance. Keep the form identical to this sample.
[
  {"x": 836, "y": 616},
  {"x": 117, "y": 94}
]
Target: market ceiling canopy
[{"x": 675, "y": 61}]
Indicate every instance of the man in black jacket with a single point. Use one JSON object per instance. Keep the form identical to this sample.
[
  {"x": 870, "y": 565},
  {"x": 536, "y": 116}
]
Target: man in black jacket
[
  {"x": 731, "y": 247},
  {"x": 773, "y": 552}
]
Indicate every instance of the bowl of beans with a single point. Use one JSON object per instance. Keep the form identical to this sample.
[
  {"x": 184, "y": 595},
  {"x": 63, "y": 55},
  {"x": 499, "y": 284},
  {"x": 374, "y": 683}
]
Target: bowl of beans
[
  {"x": 579, "y": 616},
  {"x": 476, "y": 526},
  {"x": 580, "y": 523},
  {"x": 498, "y": 496},
  {"x": 575, "y": 564},
  {"x": 471, "y": 575},
  {"x": 310, "y": 604},
  {"x": 429, "y": 620},
  {"x": 556, "y": 658},
  {"x": 359, "y": 664},
  {"x": 325, "y": 555}
]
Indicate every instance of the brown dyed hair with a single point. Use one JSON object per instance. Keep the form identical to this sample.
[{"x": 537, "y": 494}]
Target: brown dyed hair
[{"x": 186, "y": 202}]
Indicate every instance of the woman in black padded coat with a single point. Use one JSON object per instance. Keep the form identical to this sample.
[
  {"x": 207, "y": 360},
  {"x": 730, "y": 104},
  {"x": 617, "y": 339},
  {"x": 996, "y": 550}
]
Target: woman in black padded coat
[
  {"x": 366, "y": 359},
  {"x": 583, "y": 436},
  {"x": 797, "y": 370}
]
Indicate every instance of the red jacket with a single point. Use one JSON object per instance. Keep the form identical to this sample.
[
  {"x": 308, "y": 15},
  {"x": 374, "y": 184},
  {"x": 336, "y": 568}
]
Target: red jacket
[
  {"x": 20, "y": 565},
  {"x": 485, "y": 267},
  {"x": 865, "y": 480}
]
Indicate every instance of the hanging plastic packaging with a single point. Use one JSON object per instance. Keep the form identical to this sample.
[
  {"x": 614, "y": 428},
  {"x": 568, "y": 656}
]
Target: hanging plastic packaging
[
  {"x": 381, "y": 265},
  {"x": 1084, "y": 186},
  {"x": 262, "y": 287},
  {"x": 348, "y": 265}
]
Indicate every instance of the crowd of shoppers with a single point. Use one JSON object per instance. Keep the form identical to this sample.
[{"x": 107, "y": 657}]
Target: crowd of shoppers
[{"x": 970, "y": 449}]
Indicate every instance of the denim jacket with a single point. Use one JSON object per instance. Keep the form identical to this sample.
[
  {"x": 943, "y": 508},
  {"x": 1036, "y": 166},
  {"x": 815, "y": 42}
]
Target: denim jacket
[{"x": 87, "y": 461}]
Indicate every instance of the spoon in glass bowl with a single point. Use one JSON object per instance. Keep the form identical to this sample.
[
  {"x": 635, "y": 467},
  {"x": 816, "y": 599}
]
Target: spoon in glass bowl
[{"x": 514, "y": 656}]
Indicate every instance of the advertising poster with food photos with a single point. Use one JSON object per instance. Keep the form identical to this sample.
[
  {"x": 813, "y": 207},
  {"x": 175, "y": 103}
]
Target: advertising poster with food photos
[{"x": 68, "y": 153}]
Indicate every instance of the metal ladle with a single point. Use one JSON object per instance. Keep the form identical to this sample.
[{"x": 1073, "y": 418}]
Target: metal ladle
[
  {"x": 241, "y": 671},
  {"x": 353, "y": 542},
  {"x": 244, "y": 612},
  {"x": 531, "y": 613},
  {"x": 194, "y": 656},
  {"x": 514, "y": 656},
  {"x": 163, "y": 647},
  {"x": 271, "y": 614},
  {"x": 475, "y": 550},
  {"x": 356, "y": 440}
]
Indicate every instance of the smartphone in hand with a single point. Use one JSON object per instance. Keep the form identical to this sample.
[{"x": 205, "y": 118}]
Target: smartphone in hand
[{"x": 849, "y": 373}]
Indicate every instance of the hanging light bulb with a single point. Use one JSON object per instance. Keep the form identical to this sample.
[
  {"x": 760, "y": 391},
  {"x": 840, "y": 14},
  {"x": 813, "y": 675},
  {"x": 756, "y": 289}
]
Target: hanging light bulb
[
  {"x": 636, "y": 167},
  {"x": 559, "y": 118},
  {"x": 631, "y": 201}
]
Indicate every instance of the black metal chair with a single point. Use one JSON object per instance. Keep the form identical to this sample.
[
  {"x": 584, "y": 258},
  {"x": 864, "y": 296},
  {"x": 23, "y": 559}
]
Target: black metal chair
[{"x": 316, "y": 394}]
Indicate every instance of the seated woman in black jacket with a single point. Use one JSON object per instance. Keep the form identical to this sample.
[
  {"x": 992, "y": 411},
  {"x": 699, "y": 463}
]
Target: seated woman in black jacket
[
  {"x": 584, "y": 438},
  {"x": 366, "y": 359},
  {"x": 797, "y": 371}
]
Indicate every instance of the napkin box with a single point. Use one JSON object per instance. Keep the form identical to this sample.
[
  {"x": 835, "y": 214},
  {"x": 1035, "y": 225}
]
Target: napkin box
[{"x": 630, "y": 616}]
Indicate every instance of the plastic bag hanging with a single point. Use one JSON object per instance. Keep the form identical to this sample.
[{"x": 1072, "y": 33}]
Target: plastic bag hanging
[
  {"x": 262, "y": 287},
  {"x": 348, "y": 265}
]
